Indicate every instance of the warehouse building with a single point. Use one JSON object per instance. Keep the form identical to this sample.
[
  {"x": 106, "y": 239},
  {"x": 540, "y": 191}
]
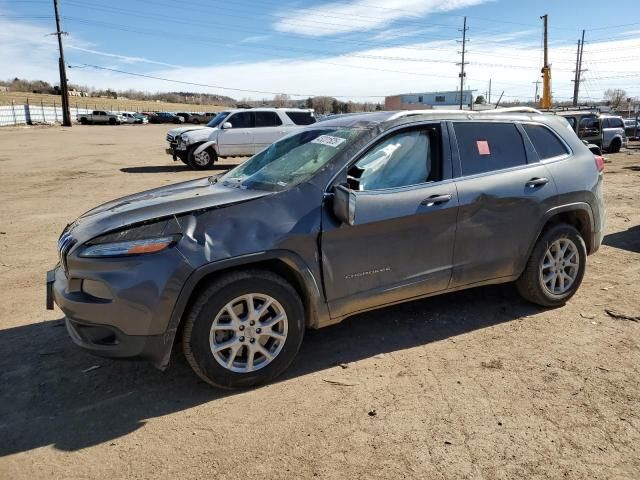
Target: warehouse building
[{"x": 429, "y": 100}]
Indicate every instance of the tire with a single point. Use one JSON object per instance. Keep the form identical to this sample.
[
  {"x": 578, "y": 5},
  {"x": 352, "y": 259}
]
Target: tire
[
  {"x": 83, "y": 121},
  {"x": 531, "y": 284},
  {"x": 195, "y": 121},
  {"x": 615, "y": 146},
  {"x": 212, "y": 303},
  {"x": 112, "y": 121},
  {"x": 205, "y": 159}
]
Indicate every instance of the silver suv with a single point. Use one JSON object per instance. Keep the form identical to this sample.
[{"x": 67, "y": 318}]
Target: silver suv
[
  {"x": 605, "y": 131},
  {"x": 234, "y": 133},
  {"x": 344, "y": 216}
]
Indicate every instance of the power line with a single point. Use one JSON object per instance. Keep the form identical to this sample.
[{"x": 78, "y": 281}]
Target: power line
[{"x": 183, "y": 82}]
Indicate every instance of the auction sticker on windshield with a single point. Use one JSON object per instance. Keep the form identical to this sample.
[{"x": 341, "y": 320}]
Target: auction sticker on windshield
[{"x": 328, "y": 140}]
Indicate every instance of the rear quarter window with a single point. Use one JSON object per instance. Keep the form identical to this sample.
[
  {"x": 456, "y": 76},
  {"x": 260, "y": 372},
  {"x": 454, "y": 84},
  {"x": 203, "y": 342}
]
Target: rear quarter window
[
  {"x": 486, "y": 147},
  {"x": 301, "y": 118},
  {"x": 546, "y": 143}
]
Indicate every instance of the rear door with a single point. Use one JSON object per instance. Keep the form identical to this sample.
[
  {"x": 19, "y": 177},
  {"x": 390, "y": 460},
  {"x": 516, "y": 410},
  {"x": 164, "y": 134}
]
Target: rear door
[
  {"x": 268, "y": 128},
  {"x": 503, "y": 191},
  {"x": 400, "y": 244},
  {"x": 237, "y": 140}
]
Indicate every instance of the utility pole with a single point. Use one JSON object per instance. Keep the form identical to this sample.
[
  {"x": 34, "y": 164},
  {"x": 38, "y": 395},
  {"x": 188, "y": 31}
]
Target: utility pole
[
  {"x": 535, "y": 98},
  {"x": 489, "y": 96},
  {"x": 463, "y": 63},
  {"x": 64, "y": 90},
  {"x": 545, "y": 101},
  {"x": 579, "y": 70}
]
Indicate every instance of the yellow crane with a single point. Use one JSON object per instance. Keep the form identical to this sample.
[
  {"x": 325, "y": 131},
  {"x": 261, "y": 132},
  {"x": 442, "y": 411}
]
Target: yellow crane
[{"x": 545, "y": 100}]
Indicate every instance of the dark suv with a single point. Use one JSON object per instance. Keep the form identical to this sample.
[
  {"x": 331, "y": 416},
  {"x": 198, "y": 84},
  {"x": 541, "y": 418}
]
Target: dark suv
[{"x": 347, "y": 215}]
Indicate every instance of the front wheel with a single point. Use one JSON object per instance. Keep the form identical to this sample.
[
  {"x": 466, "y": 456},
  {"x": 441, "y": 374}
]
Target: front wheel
[
  {"x": 555, "y": 268},
  {"x": 244, "y": 329},
  {"x": 203, "y": 160}
]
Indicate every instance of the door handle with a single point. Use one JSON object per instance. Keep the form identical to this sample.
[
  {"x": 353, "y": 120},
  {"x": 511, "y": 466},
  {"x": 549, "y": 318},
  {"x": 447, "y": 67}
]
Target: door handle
[
  {"x": 435, "y": 200},
  {"x": 537, "y": 182}
]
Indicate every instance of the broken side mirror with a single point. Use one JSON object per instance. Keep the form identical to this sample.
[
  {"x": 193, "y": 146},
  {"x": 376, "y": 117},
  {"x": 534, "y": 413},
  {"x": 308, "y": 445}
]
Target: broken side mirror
[{"x": 344, "y": 204}]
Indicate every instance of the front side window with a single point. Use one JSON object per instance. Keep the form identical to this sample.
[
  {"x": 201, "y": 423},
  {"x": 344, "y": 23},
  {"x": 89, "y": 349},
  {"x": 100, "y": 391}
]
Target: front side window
[
  {"x": 400, "y": 160},
  {"x": 546, "y": 143},
  {"x": 440, "y": 98},
  {"x": 589, "y": 123},
  {"x": 485, "y": 147},
  {"x": 241, "y": 120},
  {"x": 267, "y": 119},
  {"x": 291, "y": 160}
]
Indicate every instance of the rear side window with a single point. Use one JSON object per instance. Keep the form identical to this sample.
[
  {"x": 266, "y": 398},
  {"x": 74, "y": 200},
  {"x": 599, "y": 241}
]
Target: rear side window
[
  {"x": 267, "y": 119},
  {"x": 546, "y": 143},
  {"x": 485, "y": 147},
  {"x": 301, "y": 118},
  {"x": 613, "y": 123}
]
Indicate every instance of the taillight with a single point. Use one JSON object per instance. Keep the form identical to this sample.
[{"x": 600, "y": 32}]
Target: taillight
[{"x": 599, "y": 162}]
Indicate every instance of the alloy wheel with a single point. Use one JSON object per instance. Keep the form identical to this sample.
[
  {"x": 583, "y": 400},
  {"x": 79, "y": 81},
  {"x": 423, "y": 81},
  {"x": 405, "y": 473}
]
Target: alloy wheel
[
  {"x": 560, "y": 266},
  {"x": 248, "y": 333}
]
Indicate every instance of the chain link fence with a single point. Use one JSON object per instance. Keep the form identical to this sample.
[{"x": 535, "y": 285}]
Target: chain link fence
[{"x": 26, "y": 112}]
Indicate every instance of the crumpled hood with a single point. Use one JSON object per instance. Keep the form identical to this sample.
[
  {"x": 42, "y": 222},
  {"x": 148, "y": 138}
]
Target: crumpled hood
[
  {"x": 175, "y": 132},
  {"x": 160, "y": 202}
]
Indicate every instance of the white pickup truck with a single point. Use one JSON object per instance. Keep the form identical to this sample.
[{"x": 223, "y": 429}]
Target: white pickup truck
[
  {"x": 234, "y": 133},
  {"x": 101, "y": 116}
]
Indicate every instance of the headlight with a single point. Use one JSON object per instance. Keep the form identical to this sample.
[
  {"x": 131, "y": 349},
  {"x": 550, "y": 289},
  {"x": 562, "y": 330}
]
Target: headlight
[
  {"x": 184, "y": 138},
  {"x": 134, "y": 247},
  {"x": 147, "y": 238}
]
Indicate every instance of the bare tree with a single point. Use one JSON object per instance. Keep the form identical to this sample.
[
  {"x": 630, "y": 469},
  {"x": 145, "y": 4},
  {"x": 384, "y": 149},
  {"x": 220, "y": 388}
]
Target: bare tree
[
  {"x": 281, "y": 100},
  {"x": 322, "y": 104},
  {"x": 615, "y": 97}
]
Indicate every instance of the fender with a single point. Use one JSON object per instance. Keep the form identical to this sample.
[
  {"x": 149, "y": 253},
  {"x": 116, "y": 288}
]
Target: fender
[
  {"x": 204, "y": 146},
  {"x": 318, "y": 311},
  {"x": 570, "y": 207}
]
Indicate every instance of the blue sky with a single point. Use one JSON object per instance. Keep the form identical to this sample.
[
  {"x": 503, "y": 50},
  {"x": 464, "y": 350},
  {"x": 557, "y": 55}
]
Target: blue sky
[{"x": 359, "y": 49}]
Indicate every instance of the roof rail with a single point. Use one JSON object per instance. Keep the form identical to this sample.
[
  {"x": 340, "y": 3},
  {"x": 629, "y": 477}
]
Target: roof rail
[
  {"x": 513, "y": 110},
  {"x": 408, "y": 113}
]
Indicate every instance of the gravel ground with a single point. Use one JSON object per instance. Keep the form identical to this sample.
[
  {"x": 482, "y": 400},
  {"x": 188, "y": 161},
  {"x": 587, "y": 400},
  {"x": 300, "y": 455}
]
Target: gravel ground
[{"x": 475, "y": 384}]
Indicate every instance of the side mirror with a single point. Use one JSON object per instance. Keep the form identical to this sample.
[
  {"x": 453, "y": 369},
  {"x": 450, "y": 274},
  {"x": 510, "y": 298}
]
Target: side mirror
[
  {"x": 344, "y": 204},
  {"x": 226, "y": 125}
]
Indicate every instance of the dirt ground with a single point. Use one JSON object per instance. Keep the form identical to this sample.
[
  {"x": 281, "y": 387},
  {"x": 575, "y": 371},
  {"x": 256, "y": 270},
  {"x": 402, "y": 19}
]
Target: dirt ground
[{"x": 476, "y": 384}]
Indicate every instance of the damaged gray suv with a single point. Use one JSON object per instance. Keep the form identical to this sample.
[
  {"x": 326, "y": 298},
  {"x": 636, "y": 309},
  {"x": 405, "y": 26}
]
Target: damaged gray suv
[{"x": 347, "y": 215}]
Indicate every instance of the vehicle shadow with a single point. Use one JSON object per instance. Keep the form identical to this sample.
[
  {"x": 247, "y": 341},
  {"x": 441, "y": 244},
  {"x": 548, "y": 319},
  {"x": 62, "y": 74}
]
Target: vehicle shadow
[
  {"x": 626, "y": 240},
  {"x": 55, "y": 394},
  {"x": 173, "y": 168}
]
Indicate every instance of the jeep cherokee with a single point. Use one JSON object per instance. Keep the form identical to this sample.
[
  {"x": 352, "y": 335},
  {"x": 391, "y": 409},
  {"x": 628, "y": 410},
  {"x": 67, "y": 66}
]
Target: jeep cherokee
[{"x": 344, "y": 216}]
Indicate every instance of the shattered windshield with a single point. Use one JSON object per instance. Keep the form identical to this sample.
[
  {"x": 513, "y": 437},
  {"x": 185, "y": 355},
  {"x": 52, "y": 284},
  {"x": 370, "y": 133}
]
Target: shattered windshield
[
  {"x": 218, "y": 119},
  {"x": 291, "y": 160}
]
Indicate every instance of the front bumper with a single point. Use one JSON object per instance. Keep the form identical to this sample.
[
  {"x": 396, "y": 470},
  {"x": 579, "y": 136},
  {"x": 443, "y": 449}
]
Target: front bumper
[
  {"x": 176, "y": 151},
  {"x": 134, "y": 321}
]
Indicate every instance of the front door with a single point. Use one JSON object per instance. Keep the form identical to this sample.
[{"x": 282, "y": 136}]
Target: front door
[
  {"x": 237, "y": 140},
  {"x": 400, "y": 244}
]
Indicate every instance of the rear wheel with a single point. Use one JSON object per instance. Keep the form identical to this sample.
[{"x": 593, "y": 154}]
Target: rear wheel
[
  {"x": 615, "y": 146},
  {"x": 244, "y": 329},
  {"x": 195, "y": 121},
  {"x": 83, "y": 121},
  {"x": 202, "y": 160},
  {"x": 555, "y": 268},
  {"x": 112, "y": 121}
]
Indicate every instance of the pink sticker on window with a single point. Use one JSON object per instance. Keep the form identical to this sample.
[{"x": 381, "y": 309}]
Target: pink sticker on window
[{"x": 483, "y": 147}]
